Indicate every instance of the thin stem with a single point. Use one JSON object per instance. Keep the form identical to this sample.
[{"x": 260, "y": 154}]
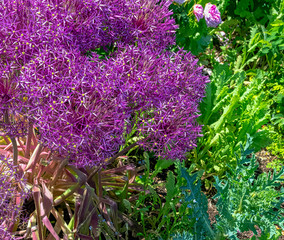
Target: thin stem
[
  {"x": 93, "y": 173},
  {"x": 13, "y": 140},
  {"x": 68, "y": 193},
  {"x": 15, "y": 151},
  {"x": 29, "y": 140},
  {"x": 34, "y": 159},
  {"x": 125, "y": 150},
  {"x": 6, "y": 139}
]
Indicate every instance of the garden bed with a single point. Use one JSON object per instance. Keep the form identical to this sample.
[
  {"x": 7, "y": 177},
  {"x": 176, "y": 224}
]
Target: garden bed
[{"x": 147, "y": 119}]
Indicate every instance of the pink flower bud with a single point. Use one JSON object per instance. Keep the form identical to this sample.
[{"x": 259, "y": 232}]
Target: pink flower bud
[
  {"x": 198, "y": 11},
  {"x": 212, "y": 15}
]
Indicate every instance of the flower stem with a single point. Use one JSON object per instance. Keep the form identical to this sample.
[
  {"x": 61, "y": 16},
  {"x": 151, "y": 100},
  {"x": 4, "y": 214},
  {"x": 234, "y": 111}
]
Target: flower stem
[
  {"x": 13, "y": 140},
  {"x": 29, "y": 140},
  {"x": 125, "y": 150}
]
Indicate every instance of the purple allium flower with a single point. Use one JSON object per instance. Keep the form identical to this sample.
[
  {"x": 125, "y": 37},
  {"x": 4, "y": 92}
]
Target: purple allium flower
[
  {"x": 12, "y": 193},
  {"x": 212, "y": 15},
  {"x": 76, "y": 106},
  {"x": 198, "y": 11},
  {"x": 14, "y": 52},
  {"x": 162, "y": 91},
  {"x": 84, "y": 106},
  {"x": 11, "y": 122},
  {"x": 152, "y": 23}
]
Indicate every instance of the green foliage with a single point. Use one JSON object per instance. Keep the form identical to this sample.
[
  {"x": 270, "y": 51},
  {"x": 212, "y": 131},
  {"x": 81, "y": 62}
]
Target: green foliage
[
  {"x": 249, "y": 12},
  {"x": 245, "y": 95},
  {"x": 191, "y": 35},
  {"x": 183, "y": 236},
  {"x": 245, "y": 200},
  {"x": 160, "y": 209},
  {"x": 274, "y": 92},
  {"x": 232, "y": 108},
  {"x": 277, "y": 149},
  {"x": 198, "y": 202},
  {"x": 254, "y": 50},
  {"x": 262, "y": 48}
]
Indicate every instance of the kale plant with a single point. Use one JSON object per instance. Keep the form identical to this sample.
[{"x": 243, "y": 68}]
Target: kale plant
[
  {"x": 245, "y": 201},
  {"x": 183, "y": 236}
]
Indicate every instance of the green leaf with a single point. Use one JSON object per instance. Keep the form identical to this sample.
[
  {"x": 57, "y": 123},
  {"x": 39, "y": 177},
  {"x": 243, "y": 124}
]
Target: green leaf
[
  {"x": 216, "y": 168},
  {"x": 170, "y": 186},
  {"x": 127, "y": 205},
  {"x": 238, "y": 63},
  {"x": 161, "y": 165}
]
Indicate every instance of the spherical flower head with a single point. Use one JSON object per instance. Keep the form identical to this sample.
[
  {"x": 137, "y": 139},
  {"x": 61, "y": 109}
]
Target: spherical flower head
[
  {"x": 212, "y": 15},
  {"x": 198, "y": 11},
  {"x": 162, "y": 90}
]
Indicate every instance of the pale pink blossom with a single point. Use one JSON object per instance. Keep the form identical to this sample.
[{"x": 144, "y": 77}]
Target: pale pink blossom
[
  {"x": 212, "y": 15},
  {"x": 198, "y": 11}
]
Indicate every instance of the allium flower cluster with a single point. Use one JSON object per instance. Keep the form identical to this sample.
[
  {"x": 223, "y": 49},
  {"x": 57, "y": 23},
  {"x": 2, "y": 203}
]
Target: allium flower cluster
[
  {"x": 78, "y": 110},
  {"x": 162, "y": 91},
  {"x": 11, "y": 122},
  {"x": 84, "y": 106},
  {"x": 12, "y": 193}
]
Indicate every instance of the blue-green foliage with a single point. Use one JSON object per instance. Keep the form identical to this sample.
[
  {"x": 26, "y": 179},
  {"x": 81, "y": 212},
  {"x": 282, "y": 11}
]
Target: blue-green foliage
[
  {"x": 198, "y": 202},
  {"x": 183, "y": 236},
  {"x": 245, "y": 200}
]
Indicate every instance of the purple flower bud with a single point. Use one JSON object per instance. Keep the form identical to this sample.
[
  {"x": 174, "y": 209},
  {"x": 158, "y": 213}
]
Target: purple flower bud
[
  {"x": 212, "y": 15},
  {"x": 198, "y": 11},
  {"x": 179, "y": 1}
]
